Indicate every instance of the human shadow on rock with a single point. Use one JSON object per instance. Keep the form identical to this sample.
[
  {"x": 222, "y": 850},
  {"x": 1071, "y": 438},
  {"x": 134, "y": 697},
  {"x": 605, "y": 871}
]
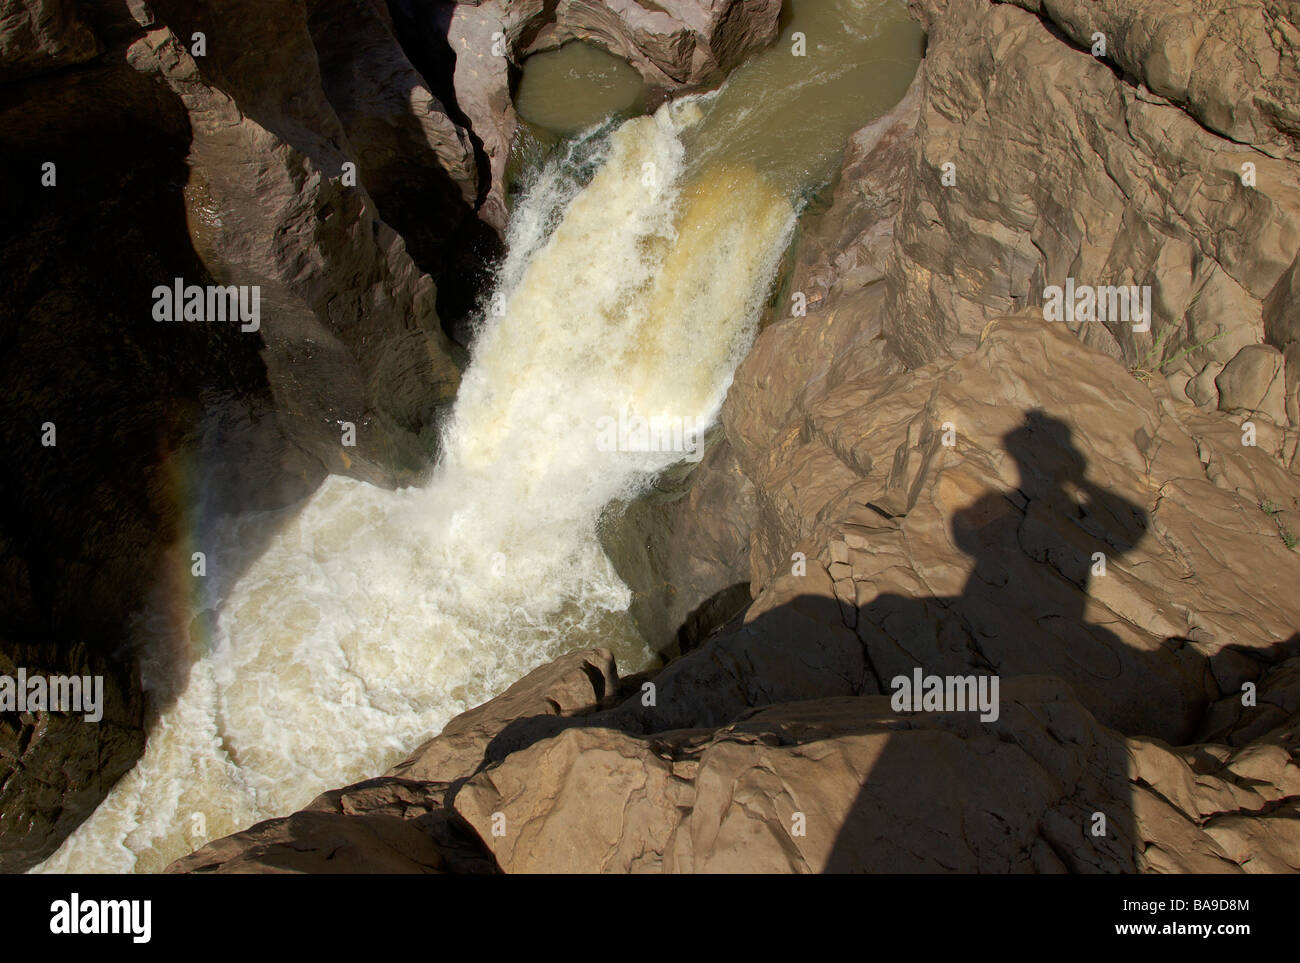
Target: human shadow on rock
[
  {"x": 1041, "y": 782},
  {"x": 1040, "y": 785}
]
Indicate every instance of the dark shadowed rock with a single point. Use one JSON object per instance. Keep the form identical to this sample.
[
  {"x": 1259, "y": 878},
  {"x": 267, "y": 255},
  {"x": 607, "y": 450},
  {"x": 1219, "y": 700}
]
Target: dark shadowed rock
[
  {"x": 683, "y": 549},
  {"x": 37, "y": 36}
]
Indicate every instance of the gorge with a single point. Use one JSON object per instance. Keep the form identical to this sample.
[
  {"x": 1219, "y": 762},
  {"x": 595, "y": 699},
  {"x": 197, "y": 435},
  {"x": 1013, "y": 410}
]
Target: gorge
[{"x": 478, "y": 639}]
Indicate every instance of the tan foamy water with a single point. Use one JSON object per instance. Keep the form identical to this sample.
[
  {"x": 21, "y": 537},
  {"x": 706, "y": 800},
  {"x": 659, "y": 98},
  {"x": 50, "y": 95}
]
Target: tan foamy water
[{"x": 371, "y": 617}]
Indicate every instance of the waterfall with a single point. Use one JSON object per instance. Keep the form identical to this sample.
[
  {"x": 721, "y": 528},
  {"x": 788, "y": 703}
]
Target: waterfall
[
  {"x": 371, "y": 617},
  {"x": 637, "y": 266}
]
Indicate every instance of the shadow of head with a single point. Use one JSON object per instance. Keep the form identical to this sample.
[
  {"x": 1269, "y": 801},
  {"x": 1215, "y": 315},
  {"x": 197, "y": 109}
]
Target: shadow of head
[{"x": 1054, "y": 494}]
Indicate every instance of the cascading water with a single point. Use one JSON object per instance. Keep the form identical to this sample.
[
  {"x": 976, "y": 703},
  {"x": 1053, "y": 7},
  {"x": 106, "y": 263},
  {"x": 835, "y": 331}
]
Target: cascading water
[{"x": 371, "y": 617}]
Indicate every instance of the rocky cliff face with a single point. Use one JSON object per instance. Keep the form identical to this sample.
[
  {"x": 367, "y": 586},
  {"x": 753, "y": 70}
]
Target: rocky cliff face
[{"x": 922, "y": 474}]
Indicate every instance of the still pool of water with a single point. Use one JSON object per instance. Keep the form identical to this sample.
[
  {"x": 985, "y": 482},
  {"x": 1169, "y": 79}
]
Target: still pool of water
[{"x": 575, "y": 86}]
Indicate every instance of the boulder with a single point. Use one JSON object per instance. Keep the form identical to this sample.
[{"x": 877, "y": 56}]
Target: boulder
[
  {"x": 683, "y": 549},
  {"x": 385, "y": 826},
  {"x": 572, "y": 683},
  {"x": 846, "y": 785},
  {"x": 1202, "y": 389},
  {"x": 673, "y": 44},
  {"x": 1253, "y": 381},
  {"x": 827, "y": 785}
]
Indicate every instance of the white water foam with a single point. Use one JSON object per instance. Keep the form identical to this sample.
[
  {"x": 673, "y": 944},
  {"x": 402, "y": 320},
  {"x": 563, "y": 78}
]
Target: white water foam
[{"x": 372, "y": 617}]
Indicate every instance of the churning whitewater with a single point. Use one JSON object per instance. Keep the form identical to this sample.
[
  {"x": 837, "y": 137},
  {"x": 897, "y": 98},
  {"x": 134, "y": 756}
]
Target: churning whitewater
[
  {"x": 329, "y": 640},
  {"x": 371, "y": 617}
]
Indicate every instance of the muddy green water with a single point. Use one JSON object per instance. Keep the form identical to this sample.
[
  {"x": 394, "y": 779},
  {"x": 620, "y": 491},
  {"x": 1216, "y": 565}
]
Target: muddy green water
[
  {"x": 580, "y": 84},
  {"x": 786, "y": 113}
]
